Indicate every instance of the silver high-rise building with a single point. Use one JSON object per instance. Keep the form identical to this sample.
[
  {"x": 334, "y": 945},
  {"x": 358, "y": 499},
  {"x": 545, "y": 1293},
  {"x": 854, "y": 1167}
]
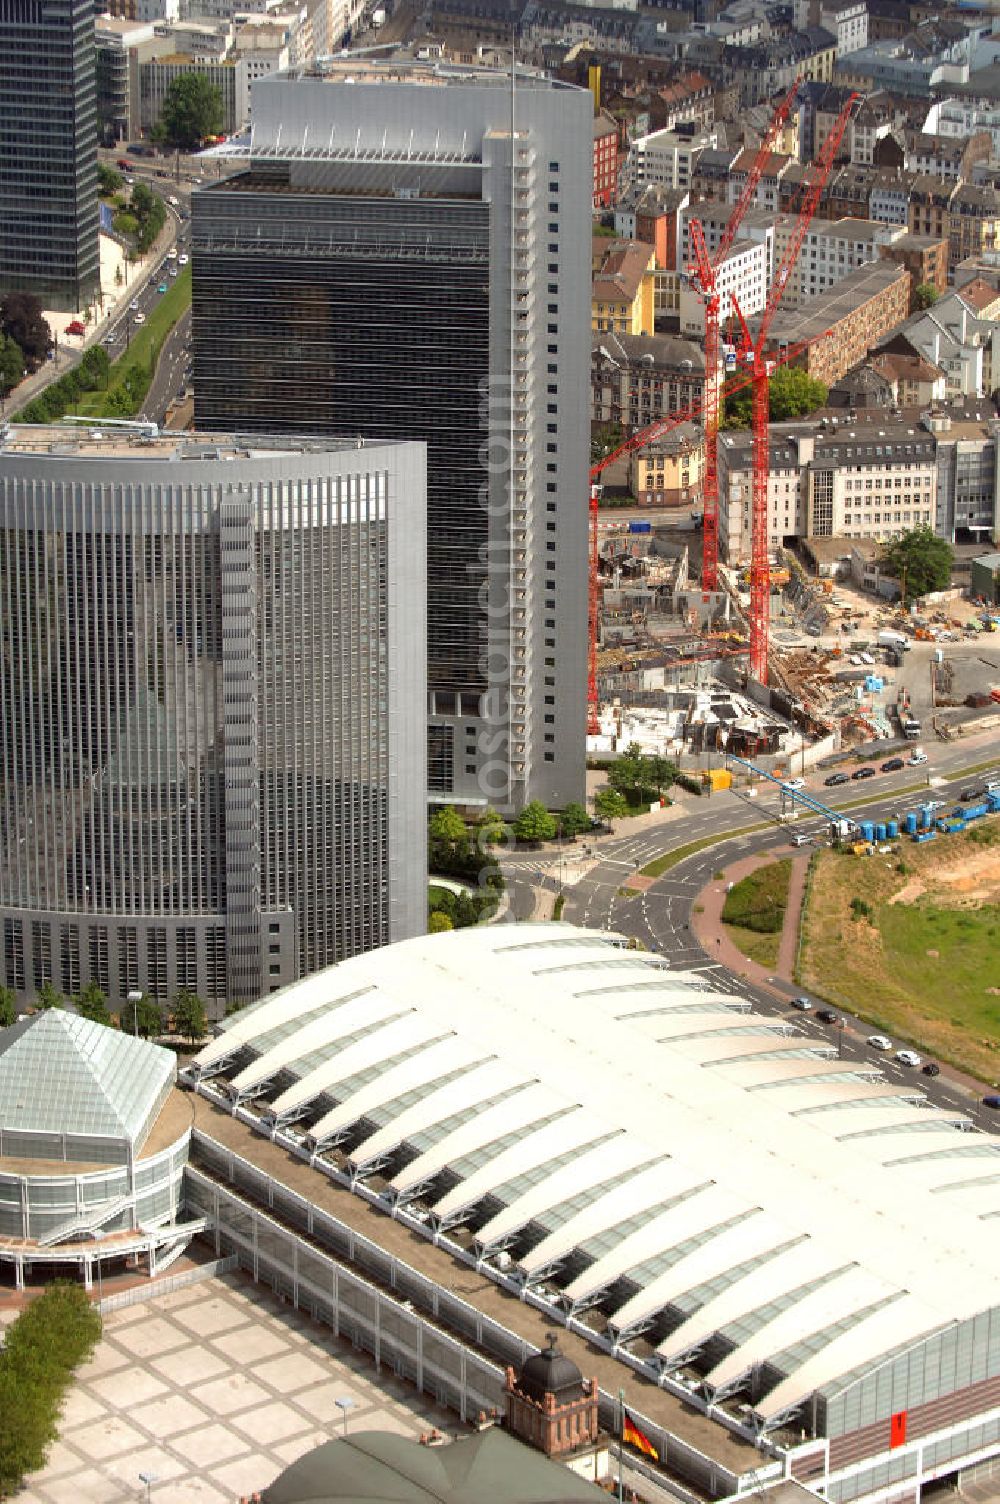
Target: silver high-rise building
[
  {"x": 212, "y": 700},
  {"x": 407, "y": 255}
]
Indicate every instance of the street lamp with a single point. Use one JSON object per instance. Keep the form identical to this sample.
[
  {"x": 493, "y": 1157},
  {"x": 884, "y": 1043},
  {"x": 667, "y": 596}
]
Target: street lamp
[
  {"x": 135, "y": 998},
  {"x": 148, "y": 1479},
  {"x": 345, "y": 1404}
]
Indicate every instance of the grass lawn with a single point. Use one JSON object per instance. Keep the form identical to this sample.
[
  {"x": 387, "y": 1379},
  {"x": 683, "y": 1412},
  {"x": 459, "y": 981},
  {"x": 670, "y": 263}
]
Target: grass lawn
[
  {"x": 754, "y": 945},
  {"x": 754, "y": 911},
  {"x": 138, "y": 362},
  {"x": 925, "y": 969}
]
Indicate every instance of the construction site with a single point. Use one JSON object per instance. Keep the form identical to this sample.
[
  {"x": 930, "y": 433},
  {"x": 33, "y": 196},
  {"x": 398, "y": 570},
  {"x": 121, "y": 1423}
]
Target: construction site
[{"x": 690, "y": 656}]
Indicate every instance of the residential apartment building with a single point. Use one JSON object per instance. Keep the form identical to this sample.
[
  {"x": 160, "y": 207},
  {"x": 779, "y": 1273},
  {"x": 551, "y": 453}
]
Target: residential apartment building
[
  {"x": 925, "y": 258},
  {"x": 930, "y": 199},
  {"x": 634, "y": 380},
  {"x": 973, "y": 222},
  {"x": 390, "y": 231},
  {"x": 667, "y": 158},
  {"x": 951, "y": 335},
  {"x": 945, "y": 157},
  {"x": 968, "y": 476},
  {"x": 605, "y": 161},
  {"x": 622, "y": 293},
  {"x": 766, "y": 196},
  {"x": 845, "y": 20},
  {"x": 669, "y": 471},
  {"x": 710, "y": 182},
  {"x": 874, "y": 479},
  {"x": 652, "y": 215},
  {"x": 48, "y": 152},
  {"x": 846, "y": 322},
  {"x": 212, "y": 759},
  {"x": 772, "y": 67},
  {"x": 830, "y": 250}
]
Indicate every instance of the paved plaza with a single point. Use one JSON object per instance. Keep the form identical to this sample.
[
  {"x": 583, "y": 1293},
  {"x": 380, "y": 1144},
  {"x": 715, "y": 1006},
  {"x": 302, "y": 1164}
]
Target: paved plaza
[{"x": 214, "y": 1389}]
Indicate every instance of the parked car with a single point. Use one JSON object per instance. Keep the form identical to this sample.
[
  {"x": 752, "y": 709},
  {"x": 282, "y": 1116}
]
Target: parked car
[
  {"x": 967, "y": 795},
  {"x": 793, "y": 783},
  {"x": 991, "y": 1101},
  {"x": 803, "y": 1004},
  {"x": 835, "y": 780},
  {"x": 76, "y": 327},
  {"x": 182, "y": 259},
  {"x": 800, "y": 838},
  {"x": 932, "y": 1068},
  {"x": 827, "y": 1016},
  {"x": 908, "y": 1057},
  {"x": 879, "y": 1042},
  {"x": 863, "y": 773},
  {"x": 162, "y": 287},
  {"x": 134, "y": 305},
  {"x": 140, "y": 318},
  {"x": 893, "y": 765}
]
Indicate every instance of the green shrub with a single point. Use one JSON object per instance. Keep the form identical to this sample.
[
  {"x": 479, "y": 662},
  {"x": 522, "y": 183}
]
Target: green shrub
[
  {"x": 690, "y": 784},
  {"x": 860, "y": 909},
  {"x": 55, "y": 1333}
]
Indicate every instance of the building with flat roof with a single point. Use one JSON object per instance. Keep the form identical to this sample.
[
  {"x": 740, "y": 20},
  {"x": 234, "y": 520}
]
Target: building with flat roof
[
  {"x": 393, "y": 261},
  {"x": 48, "y": 158},
  {"x": 713, "y": 1206},
  {"x": 845, "y": 322},
  {"x": 211, "y": 704}
]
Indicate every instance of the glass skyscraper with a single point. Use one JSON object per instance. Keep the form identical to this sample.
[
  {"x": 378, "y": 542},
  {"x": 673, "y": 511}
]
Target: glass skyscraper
[
  {"x": 212, "y": 694},
  {"x": 48, "y": 151},
  {"x": 407, "y": 255}
]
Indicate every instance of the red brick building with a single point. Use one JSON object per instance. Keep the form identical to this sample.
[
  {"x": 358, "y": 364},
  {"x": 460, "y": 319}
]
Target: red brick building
[{"x": 605, "y": 161}]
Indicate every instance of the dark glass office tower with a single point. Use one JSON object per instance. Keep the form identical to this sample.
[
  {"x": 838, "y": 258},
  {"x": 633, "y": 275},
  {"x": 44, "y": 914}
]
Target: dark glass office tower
[
  {"x": 397, "y": 261},
  {"x": 48, "y": 151}
]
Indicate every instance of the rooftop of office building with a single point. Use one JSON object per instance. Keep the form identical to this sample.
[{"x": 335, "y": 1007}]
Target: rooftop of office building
[
  {"x": 355, "y": 68},
  {"x": 143, "y": 441}
]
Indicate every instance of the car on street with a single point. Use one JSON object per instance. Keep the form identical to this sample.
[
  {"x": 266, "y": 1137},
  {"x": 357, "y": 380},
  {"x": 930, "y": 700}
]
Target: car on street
[
  {"x": 932, "y": 1068},
  {"x": 827, "y": 1016},
  {"x": 893, "y": 765},
  {"x": 793, "y": 783},
  {"x": 140, "y": 318},
  {"x": 916, "y": 759},
  {"x": 863, "y": 773},
  {"x": 908, "y": 1057},
  {"x": 803, "y": 1004},
  {"x": 835, "y": 780},
  {"x": 991, "y": 1101},
  {"x": 134, "y": 305},
  {"x": 77, "y": 326},
  {"x": 162, "y": 287},
  {"x": 182, "y": 259},
  {"x": 879, "y": 1042}
]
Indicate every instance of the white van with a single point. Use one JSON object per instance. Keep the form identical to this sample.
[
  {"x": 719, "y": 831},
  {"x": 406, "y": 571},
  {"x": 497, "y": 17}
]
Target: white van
[{"x": 916, "y": 757}]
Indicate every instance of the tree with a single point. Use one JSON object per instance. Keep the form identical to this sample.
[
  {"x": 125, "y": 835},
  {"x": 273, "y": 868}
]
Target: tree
[
  {"x": 446, "y": 824},
  {"x": 604, "y": 439},
  {"x": 573, "y": 821},
  {"x": 108, "y": 181},
  {"x": 48, "y": 998},
  {"x": 190, "y": 1018},
  {"x": 8, "y": 1008},
  {"x": 142, "y": 200},
  {"x": 490, "y": 830},
  {"x": 142, "y": 1017},
  {"x": 925, "y": 295},
  {"x": 534, "y": 823},
  {"x": 11, "y": 364},
  {"x": 92, "y": 1003},
  {"x": 609, "y": 805},
  {"x": 438, "y": 923},
  {"x": 21, "y": 319},
  {"x": 920, "y": 561},
  {"x": 192, "y": 110},
  {"x": 793, "y": 394}
]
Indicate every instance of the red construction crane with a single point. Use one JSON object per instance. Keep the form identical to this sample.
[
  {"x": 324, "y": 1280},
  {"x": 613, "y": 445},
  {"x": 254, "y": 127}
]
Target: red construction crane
[
  {"x": 751, "y": 352},
  {"x": 702, "y": 271},
  {"x": 639, "y": 441}
]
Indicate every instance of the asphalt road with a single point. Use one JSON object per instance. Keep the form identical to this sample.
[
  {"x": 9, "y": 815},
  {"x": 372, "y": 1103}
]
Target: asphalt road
[
  {"x": 169, "y": 378},
  {"x": 660, "y": 918}
]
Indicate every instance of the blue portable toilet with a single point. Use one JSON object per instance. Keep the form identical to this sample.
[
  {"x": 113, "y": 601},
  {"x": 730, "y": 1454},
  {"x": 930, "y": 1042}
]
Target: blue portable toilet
[
  {"x": 892, "y": 829},
  {"x": 868, "y": 830},
  {"x": 911, "y": 822},
  {"x": 880, "y": 832},
  {"x": 926, "y": 817}
]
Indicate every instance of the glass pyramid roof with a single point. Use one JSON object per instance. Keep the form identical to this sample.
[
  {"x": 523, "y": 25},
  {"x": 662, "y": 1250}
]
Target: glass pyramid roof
[{"x": 60, "y": 1073}]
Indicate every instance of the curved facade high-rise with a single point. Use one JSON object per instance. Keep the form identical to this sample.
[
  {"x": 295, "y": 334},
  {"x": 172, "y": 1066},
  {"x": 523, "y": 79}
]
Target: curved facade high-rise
[{"x": 212, "y": 692}]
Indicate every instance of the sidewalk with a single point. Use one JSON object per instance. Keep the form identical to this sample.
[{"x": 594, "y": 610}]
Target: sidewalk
[{"x": 714, "y": 939}]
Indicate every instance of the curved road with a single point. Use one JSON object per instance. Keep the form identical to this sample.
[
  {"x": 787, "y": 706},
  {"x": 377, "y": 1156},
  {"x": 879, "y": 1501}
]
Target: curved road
[{"x": 660, "y": 917}]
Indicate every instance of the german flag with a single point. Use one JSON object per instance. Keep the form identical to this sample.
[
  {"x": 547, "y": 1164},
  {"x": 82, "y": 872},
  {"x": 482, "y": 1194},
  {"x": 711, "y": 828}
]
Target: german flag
[{"x": 636, "y": 1438}]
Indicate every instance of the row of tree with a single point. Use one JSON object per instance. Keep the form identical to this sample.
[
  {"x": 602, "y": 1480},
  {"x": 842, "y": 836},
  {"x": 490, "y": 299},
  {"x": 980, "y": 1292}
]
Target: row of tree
[
  {"x": 142, "y": 1016},
  {"x": 91, "y": 374},
  {"x": 51, "y": 1337}
]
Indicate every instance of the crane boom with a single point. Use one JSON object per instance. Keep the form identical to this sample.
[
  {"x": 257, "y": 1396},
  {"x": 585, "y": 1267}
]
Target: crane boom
[
  {"x": 760, "y": 568},
  {"x": 703, "y": 273}
]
